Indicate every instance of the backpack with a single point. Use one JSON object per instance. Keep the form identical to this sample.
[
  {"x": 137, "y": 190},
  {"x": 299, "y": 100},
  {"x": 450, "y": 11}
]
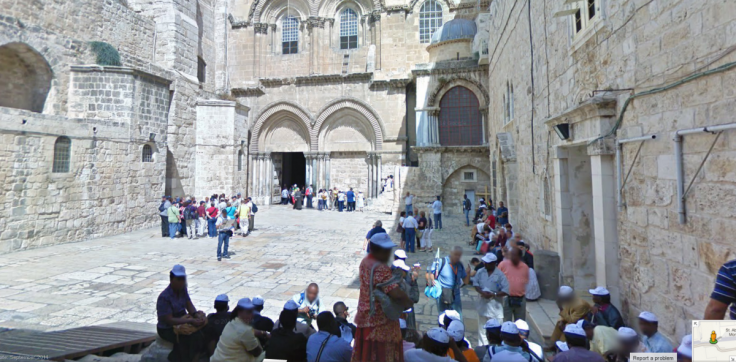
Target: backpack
[
  {"x": 466, "y": 204},
  {"x": 190, "y": 213},
  {"x": 253, "y": 208}
]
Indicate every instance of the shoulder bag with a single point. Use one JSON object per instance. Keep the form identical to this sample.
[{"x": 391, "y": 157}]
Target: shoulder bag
[{"x": 391, "y": 309}]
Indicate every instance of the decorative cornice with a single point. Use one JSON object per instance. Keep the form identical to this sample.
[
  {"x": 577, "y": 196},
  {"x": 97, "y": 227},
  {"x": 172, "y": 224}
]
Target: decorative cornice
[
  {"x": 220, "y": 103},
  {"x": 459, "y": 80},
  {"x": 594, "y": 107},
  {"x": 396, "y": 139},
  {"x": 450, "y": 67},
  {"x": 261, "y": 28},
  {"x": 484, "y": 149},
  {"x": 318, "y": 22},
  {"x": 397, "y": 9},
  {"x": 236, "y": 24},
  {"x": 391, "y": 83},
  {"x": 248, "y": 91},
  {"x": 317, "y": 79}
]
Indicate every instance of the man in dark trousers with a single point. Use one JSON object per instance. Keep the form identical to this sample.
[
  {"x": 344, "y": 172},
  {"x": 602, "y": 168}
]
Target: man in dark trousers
[
  {"x": 216, "y": 323},
  {"x": 351, "y": 199},
  {"x": 163, "y": 212}
]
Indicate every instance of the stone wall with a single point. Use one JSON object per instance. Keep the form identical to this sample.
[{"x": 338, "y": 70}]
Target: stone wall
[
  {"x": 348, "y": 170},
  {"x": 665, "y": 267},
  {"x": 107, "y": 191}
]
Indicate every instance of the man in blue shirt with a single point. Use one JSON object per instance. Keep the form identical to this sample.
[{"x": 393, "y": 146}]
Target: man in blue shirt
[
  {"x": 652, "y": 339},
  {"x": 351, "y": 199},
  {"x": 325, "y": 345},
  {"x": 724, "y": 293},
  {"x": 450, "y": 273},
  {"x": 502, "y": 220}
]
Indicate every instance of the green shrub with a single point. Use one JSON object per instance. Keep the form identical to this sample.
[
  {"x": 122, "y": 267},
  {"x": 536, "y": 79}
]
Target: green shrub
[{"x": 106, "y": 53}]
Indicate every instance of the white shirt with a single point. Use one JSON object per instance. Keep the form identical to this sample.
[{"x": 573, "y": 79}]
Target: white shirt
[
  {"x": 409, "y": 199},
  {"x": 437, "y": 207},
  {"x": 480, "y": 227},
  {"x": 410, "y": 223},
  {"x": 284, "y": 193},
  {"x": 420, "y": 355},
  {"x": 340, "y": 197},
  {"x": 249, "y": 205}
]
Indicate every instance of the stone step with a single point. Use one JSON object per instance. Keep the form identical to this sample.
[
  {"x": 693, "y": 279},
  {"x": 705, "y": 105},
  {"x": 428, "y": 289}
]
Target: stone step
[{"x": 542, "y": 316}]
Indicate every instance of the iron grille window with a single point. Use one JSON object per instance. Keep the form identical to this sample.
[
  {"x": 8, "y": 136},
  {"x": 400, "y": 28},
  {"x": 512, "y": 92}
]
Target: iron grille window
[
  {"x": 468, "y": 176},
  {"x": 460, "y": 122},
  {"x": 290, "y": 35},
  {"x": 430, "y": 19},
  {"x": 348, "y": 29},
  {"x": 201, "y": 70},
  {"x": 240, "y": 160},
  {"x": 62, "y": 155},
  {"x": 147, "y": 155}
]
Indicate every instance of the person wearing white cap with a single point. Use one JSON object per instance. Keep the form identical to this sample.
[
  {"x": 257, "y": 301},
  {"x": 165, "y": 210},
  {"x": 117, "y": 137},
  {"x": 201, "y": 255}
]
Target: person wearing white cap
[
  {"x": 449, "y": 272},
  {"x": 685, "y": 349},
  {"x": 536, "y": 350},
  {"x": 511, "y": 346},
  {"x": 285, "y": 342},
  {"x": 239, "y": 341},
  {"x": 492, "y": 286},
  {"x": 652, "y": 339},
  {"x": 173, "y": 308},
  {"x": 377, "y": 337},
  {"x": 400, "y": 254},
  {"x": 577, "y": 344},
  {"x": 456, "y": 330},
  {"x": 628, "y": 343},
  {"x": 572, "y": 309},
  {"x": 434, "y": 348},
  {"x": 216, "y": 322},
  {"x": 493, "y": 336},
  {"x": 604, "y": 313}
]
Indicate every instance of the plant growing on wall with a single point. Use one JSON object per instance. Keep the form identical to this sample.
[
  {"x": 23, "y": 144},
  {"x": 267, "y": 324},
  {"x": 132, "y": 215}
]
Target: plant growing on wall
[{"x": 106, "y": 53}]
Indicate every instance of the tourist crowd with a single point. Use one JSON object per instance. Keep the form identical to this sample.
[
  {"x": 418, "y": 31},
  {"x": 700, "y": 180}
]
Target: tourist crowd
[
  {"x": 335, "y": 199},
  {"x": 384, "y": 328}
]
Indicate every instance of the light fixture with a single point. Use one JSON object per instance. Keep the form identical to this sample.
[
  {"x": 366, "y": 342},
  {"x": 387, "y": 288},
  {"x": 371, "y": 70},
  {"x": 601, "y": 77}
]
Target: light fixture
[
  {"x": 563, "y": 131},
  {"x": 152, "y": 137}
]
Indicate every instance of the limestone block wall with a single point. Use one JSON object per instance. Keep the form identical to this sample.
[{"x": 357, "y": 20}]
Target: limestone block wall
[
  {"x": 665, "y": 267},
  {"x": 107, "y": 191},
  {"x": 348, "y": 169}
]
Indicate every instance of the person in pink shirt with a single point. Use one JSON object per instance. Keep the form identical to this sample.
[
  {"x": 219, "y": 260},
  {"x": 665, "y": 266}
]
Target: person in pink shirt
[{"x": 517, "y": 273}]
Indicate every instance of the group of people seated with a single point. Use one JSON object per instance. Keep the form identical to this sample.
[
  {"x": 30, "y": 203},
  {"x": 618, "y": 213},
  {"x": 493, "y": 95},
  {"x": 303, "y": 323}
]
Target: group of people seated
[
  {"x": 243, "y": 334},
  {"x": 598, "y": 332}
]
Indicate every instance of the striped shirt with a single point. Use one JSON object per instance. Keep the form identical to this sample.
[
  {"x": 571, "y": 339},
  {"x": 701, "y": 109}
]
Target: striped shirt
[{"x": 725, "y": 289}]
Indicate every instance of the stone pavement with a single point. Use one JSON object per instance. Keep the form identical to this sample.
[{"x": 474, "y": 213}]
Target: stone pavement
[{"x": 118, "y": 278}]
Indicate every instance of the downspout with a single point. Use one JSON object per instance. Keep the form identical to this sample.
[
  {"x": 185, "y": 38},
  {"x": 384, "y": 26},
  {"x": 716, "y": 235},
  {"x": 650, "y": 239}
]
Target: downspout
[{"x": 679, "y": 164}]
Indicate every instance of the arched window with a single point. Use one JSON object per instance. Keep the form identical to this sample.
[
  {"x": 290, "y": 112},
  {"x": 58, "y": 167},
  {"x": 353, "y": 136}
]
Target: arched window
[
  {"x": 147, "y": 154},
  {"x": 430, "y": 19},
  {"x": 460, "y": 122},
  {"x": 348, "y": 29},
  {"x": 62, "y": 155},
  {"x": 240, "y": 160},
  {"x": 290, "y": 35}
]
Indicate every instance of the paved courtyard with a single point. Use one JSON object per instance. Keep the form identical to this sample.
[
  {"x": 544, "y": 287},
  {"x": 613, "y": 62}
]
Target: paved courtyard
[{"x": 118, "y": 278}]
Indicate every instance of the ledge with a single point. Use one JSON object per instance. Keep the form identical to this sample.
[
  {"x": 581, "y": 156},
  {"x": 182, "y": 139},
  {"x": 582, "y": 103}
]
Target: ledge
[
  {"x": 92, "y": 68},
  {"x": 453, "y": 149},
  {"x": 316, "y": 79},
  {"x": 220, "y": 103},
  {"x": 594, "y": 107},
  {"x": 248, "y": 91}
]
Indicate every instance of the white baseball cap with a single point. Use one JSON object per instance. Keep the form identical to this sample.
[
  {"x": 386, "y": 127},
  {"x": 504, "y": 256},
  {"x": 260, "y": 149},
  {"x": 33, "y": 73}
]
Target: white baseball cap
[
  {"x": 400, "y": 264},
  {"x": 258, "y": 300},
  {"x": 522, "y": 325},
  {"x": 399, "y": 253},
  {"x": 456, "y": 330},
  {"x": 402, "y": 323},
  {"x": 492, "y": 323},
  {"x": 562, "y": 346},
  {"x": 575, "y": 330},
  {"x": 179, "y": 271},
  {"x": 382, "y": 240},
  {"x": 649, "y": 317},
  {"x": 489, "y": 258},
  {"x": 291, "y": 305},
  {"x": 245, "y": 303},
  {"x": 510, "y": 328},
  {"x": 686, "y": 346},
  {"x": 564, "y": 291},
  {"x": 222, "y": 298},
  {"x": 627, "y": 333},
  {"x": 599, "y": 291},
  {"x": 438, "y": 335}
]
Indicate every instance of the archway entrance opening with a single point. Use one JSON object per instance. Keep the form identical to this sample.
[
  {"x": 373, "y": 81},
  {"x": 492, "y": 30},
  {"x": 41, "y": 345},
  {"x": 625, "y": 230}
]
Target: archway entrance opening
[{"x": 293, "y": 169}]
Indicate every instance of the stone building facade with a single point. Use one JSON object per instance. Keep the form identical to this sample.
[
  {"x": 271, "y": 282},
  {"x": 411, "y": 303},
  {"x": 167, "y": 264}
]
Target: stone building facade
[{"x": 572, "y": 83}]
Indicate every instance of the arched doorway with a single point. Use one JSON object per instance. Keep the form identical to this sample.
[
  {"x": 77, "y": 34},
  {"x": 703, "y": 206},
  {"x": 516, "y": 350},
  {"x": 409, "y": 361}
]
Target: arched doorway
[
  {"x": 467, "y": 180},
  {"x": 460, "y": 121},
  {"x": 25, "y": 77}
]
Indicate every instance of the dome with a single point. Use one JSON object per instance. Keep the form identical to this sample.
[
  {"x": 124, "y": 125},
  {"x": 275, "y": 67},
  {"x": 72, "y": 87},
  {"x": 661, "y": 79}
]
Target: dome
[{"x": 454, "y": 29}]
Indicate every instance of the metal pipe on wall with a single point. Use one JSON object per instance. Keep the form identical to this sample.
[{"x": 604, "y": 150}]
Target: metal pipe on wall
[
  {"x": 679, "y": 164},
  {"x": 620, "y": 165}
]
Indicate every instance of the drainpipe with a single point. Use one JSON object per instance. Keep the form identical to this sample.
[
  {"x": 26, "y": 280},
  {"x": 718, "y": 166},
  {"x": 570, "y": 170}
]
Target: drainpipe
[
  {"x": 681, "y": 192},
  {"x": 620, "y": 182}
]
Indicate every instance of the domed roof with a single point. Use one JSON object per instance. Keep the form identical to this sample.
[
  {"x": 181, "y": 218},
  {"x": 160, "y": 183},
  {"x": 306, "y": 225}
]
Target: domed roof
[{"x": 454, "y": 29}]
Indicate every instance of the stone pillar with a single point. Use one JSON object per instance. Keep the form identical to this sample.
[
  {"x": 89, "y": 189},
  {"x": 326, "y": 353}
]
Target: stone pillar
[
  {"x": 261, "y": 171},
  {"x": 379, "y": 175},
  {"x": 327, "y": 171},
  {"x": 313, "y": 179},
  {"x": 308, "y": 167},
  {"x": 268, "y": 186},
  {"x": 369, "y": 160},
  {"x": 604, "y": 224},
  {"x": 563, "y": 215},
  {"x": 253, "y": 174},
  {"x": 321, "y": 170}
]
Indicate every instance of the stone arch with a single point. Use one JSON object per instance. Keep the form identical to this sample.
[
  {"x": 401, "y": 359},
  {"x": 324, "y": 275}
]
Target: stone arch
[
  {"x": 25, "y": 76},
  {"x": 474, "y": 86},
  {"x": 447, "y": 173},
  {"x": 454, "y": 186},
  {"x": 331, "y": 8},
  {"x": 281, "y": 109},
  {"x": 267, "y": 10},
  {"x": 358, "y": 108}
]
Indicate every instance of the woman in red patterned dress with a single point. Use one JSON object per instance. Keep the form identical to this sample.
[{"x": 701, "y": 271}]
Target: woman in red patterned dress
[{"x": 378, "y": 339}]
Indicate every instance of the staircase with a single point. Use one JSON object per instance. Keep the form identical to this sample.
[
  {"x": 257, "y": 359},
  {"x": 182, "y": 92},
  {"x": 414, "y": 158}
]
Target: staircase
[{"x": 389, "y": 201}]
